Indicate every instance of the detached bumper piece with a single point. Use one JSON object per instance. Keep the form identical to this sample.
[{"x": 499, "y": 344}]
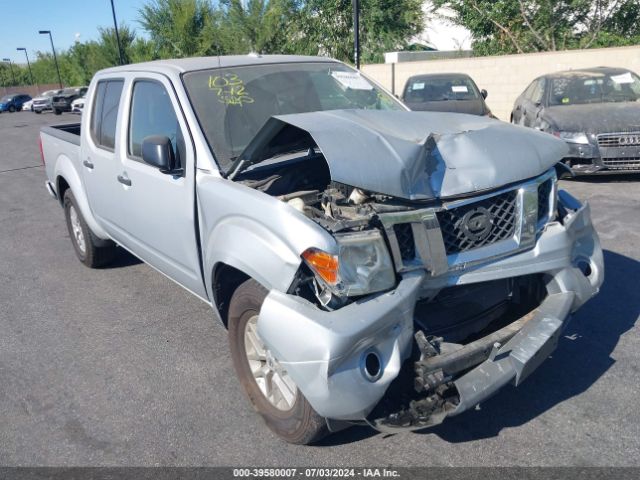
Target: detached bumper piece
[{"x": 450, "y": 379}]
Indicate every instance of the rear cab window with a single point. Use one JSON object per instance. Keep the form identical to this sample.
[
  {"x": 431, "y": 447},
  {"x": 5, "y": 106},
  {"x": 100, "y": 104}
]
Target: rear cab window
[{"x": 104, "y": 114}]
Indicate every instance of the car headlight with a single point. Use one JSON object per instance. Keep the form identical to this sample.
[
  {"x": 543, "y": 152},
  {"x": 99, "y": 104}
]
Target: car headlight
[
  {"x": 363, "y": 264},
  {"x": 574, "y": 137}
]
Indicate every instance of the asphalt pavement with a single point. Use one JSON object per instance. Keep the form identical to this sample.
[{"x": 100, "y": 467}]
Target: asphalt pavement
[{"x": 121, "y": 367}]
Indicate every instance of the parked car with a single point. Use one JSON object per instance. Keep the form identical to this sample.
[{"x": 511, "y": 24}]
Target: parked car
[
  {"x": 62, "y": 101},
  {"x": 347, "y": 243},
  {"x": 78, "y": 105},
  {"x": 595, "y": 110},
  {"x": 445, "y": 92},
  {"x": 12, "y": 103},
  {"x": 27, "y": 106},
  {"x": 43, "y": 101}
]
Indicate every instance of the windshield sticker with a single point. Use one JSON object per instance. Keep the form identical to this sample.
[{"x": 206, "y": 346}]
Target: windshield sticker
[
  {"x": 624, "y": 78},
  {"x": 418, "y": 86},
  {"x": 230, "y": 89},
  {"x": 352, "y": 80},
  {"x": 459, "y": 89}
]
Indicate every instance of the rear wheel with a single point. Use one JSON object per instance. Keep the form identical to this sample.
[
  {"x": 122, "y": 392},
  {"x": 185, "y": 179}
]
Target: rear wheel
[
  {"x": 270, "y": 389},
  {"x": 57, "y": 112},
  {"x": 12, "y": 108},
  {"x": 90, "y": 250}
]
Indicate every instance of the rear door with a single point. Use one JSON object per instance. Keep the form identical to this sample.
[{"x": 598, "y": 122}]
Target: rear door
[
  {"x": 157, "y": 210},
  {"x": 100, "y": 164}
]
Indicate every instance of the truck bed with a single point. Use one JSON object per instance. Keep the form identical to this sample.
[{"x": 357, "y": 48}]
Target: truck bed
[{"x": 69, "y": 132}]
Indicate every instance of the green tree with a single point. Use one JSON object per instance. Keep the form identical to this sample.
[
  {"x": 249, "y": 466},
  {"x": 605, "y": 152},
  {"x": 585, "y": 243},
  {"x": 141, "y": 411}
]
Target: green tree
[
  {"x": 177, "y": 27},
  {"x": 262, "y": 26},
  {"x": 519, "y": 26},
  {"x": 386, "y": 25}
]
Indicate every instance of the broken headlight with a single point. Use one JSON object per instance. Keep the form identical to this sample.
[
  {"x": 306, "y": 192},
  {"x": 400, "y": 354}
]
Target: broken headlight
[{"x": 362, "y": 266}]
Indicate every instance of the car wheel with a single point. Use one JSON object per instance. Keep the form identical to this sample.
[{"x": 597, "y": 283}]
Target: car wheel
[
  {"x": 57, "y": 112},
  {"x": 38, "y": 111},
  {"x": 12, "y": 108},
  {"x": 270, "y": 389},
  {"x": 90, "y": 250}
]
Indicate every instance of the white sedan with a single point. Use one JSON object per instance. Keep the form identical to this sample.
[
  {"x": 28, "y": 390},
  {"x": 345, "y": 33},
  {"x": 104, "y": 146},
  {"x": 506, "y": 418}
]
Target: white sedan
[
  {"x": 77, "y": 105},
  {"x": 27, "y": 106}
]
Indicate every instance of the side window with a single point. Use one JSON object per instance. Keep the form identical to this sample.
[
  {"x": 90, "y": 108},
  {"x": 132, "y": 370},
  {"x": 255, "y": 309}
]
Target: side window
[
  {"x": 105, "y": 113},
  {"x": 529, "y": 91},
  {"x": 538, "y": 92},
  {"x": 152, "y": 114}
]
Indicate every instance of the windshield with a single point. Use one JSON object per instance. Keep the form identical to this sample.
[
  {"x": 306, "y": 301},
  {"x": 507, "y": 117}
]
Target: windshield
[
  {"x": 582, "y": 87},
  {"x": 436, "y": 89},
  {"x": 232, "y": 104}
]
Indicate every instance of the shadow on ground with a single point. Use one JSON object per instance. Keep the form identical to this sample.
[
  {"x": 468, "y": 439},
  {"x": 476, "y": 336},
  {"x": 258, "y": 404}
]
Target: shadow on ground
[
  {"x": 607, "y": 178},
  {"x": 123, "y": 259},
  {"x": 582, "y": 357}
]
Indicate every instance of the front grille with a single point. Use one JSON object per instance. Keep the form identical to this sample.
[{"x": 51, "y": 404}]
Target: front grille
[
  {"x": 406, "y": 243},
  {"x": 502, "y": 209},
  {"x": 619, "y": 139},
  {"x": 544, "y": 195},
  {"x": 625, "y": 163}
]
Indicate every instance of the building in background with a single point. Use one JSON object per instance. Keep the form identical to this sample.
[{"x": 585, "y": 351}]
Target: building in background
[{"x": 441, "y": 39}]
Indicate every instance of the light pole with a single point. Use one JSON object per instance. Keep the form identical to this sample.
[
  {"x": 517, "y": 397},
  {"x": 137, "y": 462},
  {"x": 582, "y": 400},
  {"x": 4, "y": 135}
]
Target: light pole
[
  {"x": 28, "y": 64},
  {"x": 115, "y": 24},
  {"x": 55, "y": 58},
  {"x": 13, "y": 77},
  {"x": 356, "y": 31}
]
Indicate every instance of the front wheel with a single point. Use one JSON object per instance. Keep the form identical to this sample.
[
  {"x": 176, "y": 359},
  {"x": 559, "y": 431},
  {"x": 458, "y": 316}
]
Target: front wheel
[
  {"x": 90, "y": 250},
  {"x": 270, "y": 389},
  {"x": 57, "y": 112},
  {"x": 12, "y": 109}
]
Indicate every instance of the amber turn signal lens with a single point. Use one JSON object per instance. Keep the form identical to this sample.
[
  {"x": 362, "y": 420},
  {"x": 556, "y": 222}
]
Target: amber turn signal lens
[{"x": 323, "y": 264}]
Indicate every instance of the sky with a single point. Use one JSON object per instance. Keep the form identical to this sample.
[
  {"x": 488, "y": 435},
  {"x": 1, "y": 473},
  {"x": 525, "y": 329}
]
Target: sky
[{"x": 20, "y": 21}]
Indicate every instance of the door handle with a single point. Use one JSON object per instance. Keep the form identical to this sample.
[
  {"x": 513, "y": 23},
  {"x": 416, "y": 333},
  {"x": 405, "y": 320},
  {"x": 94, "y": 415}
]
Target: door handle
[
  {"x": 124, "y": 180},
  {"x": 88, "y": 164}
]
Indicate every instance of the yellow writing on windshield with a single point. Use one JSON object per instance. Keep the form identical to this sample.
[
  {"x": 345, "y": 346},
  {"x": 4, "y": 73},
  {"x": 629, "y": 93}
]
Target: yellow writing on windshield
[{"x": 230, "y": 89}]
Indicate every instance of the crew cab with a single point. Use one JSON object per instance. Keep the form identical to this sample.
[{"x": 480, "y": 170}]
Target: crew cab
[{"x": 373, "y": 265}]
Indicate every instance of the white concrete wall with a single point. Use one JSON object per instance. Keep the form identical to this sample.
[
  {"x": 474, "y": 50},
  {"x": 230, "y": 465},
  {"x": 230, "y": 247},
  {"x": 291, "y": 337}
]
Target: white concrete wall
[{"x": 506, "y": 76}]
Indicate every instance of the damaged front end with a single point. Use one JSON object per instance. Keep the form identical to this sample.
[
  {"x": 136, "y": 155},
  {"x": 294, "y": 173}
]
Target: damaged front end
[{"x": 450, "y": 277}]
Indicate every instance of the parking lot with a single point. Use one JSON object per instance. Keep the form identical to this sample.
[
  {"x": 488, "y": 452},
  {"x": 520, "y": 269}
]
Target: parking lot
[{"x": 120, "y": 366}]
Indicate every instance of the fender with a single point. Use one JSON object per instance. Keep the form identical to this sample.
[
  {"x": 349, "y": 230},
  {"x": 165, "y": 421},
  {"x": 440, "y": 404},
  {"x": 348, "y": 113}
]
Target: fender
[
  {"x": 64, "y": 168},
  {"x": 254, "y": 249},
  {"x": 253, "y": 232}
]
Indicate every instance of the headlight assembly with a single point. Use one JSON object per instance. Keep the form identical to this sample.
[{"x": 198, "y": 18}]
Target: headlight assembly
[
  {"x": 363, "y": 264},
  {"x": 574, "y": 137}
]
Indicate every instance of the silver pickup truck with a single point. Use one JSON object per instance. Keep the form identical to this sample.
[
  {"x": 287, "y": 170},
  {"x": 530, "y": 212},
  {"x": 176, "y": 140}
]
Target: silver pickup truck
[{"x": 372, "y": 265}]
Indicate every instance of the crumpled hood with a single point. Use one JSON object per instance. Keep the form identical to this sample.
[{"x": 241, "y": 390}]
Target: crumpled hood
[
  {"x": 595, "y": 117},
  {"x": 416, "y": 155}
]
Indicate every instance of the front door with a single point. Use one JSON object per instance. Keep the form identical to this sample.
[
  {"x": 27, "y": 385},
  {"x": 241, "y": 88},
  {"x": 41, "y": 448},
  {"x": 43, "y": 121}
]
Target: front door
[{"x": 158, "y": 214}]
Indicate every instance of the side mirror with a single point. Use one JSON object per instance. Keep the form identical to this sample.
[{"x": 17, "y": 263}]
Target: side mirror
[
  {"x": 158, "y": 152},
  {"x": 484, "y": 93}
]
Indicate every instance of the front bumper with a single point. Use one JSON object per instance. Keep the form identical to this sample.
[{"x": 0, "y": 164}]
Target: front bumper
[
  {"x": 591, "y": 159},
  {"x": 325, "y": 352}
]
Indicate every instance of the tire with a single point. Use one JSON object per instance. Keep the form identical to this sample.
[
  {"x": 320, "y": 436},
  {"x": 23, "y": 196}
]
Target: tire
[
  {"x": 299, "y": 423},
  {"x": 57, "y": 112},
  {"x": 38, "y": 111},
  {"x": 12, "y": 108},
  {"x": 90, "y": 250}
]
